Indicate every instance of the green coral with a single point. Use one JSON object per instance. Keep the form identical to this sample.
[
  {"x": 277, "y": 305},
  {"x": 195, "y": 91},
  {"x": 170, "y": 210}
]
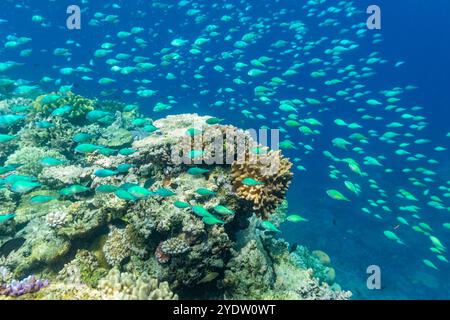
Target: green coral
[
  {"x": 80, "y": 105},
  {"x": 30, "y": 159}
]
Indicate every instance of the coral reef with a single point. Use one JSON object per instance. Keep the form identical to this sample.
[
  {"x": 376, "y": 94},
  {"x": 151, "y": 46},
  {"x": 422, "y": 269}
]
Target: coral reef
[{"x": 125, "y": 207}]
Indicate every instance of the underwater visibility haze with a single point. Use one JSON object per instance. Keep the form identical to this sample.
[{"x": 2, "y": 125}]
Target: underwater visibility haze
[{"x": 134, "y": 163}]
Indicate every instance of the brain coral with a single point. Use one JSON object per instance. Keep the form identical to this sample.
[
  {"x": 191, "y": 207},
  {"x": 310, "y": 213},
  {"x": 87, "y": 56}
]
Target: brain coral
[{"x": 273, "y": 170}]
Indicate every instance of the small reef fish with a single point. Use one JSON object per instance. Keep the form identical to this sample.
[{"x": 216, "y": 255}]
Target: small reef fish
[
  {"x": 205, "y": 192},
  {"x": 38, "y": 199},
  {"x": 106, "y": 188},
  {"x": 139, "y": 192},
  {"x": 124, "y": 195},
  {"x": 87, "y": 148},
  {"x": 181, "y": 204},
  {"x": 222, "y": 210},
  {"x": 336, "y": 195},
  {"x": 23, "y": 186},
  {"x": 73, "y": 190},
  {"x": 163, "y": 192},
  {"x": 270, "y": 227},
  {"x": 295, "y": 218},
  {"x": 211, "y": 220},
  {"x": 250, "y": 182},
  {"x": 200, "y": 211},
  {"x": 197, "y": 171},
  {"x": 104, "y": 173},
  {"x": 6, "y": 217},
  {"x": 51, "y": 162}
]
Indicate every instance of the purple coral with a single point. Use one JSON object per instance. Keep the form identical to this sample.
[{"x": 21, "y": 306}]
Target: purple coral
[{"x": 28, "y": 285}]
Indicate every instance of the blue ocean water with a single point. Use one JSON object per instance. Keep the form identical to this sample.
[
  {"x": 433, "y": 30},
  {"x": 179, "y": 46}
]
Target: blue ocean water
[{"x": 413, "y": 31}]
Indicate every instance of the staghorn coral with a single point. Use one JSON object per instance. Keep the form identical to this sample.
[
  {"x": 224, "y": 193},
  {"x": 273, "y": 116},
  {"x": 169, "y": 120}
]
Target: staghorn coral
[
  {"x": 125, "y": 286},
  {"x": 273, "y": 171}
]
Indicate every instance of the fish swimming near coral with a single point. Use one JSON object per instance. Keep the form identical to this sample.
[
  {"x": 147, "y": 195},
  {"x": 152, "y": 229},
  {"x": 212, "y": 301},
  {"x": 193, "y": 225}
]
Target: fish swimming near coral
[
  {"x": 39, "y": 199},
  {"x": 23, "y": 186},
  {"x": 181, "y": 204},
  {"x": 270, "y": 227},
  {"x": 87, "y": 148},
  {"x": 4, "y": 138},
  {"x": 6, "y": 217},
  {"x": 250, "y": 182},
  {"x": 200, "y": 211},
  {"x": 82, "y": 137},
  {"x": 51, "y": 162},
  {"x": 163, "y": 192},
  {"x": 205, "y": 192},
  {"x": 213, "y": 121},
  {"x": 211, "y": 220},
  {"x": 104, "y": 173},
  {"x": 73, "y": 190},
  {"x": 124, "y": 195},
  {"x": 106, "y": 188},
  {"x": 127, "y": 151},
  {"x": 10, "y": 120},
  {"x": 223, "y": 210},
  {"x": 139, "y": 192},
  {"x": 295, "y": 218},
  {"x": 197, "y": 171}
]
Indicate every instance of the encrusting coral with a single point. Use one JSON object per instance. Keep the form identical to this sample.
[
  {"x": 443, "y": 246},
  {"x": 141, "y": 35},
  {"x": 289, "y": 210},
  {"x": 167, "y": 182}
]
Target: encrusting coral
[{"x": 122, "y": 209}]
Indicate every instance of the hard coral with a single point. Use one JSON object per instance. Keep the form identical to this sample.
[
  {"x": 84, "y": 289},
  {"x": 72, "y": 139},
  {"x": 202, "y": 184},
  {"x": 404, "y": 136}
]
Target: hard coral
[
  {"x": 80, "y": 105},
  {"x": 125, "y": 286},
  {"x": 271, "y": 169}
]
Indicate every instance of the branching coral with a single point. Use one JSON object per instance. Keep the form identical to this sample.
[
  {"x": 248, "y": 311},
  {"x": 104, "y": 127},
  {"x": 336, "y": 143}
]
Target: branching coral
[{"x": 272, "y": 172}]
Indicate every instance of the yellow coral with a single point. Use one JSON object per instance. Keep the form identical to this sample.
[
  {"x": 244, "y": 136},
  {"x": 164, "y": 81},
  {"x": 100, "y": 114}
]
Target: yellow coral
[
  {"x": 80, "y": 105},
  {"x": 273, "y": 170}
]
